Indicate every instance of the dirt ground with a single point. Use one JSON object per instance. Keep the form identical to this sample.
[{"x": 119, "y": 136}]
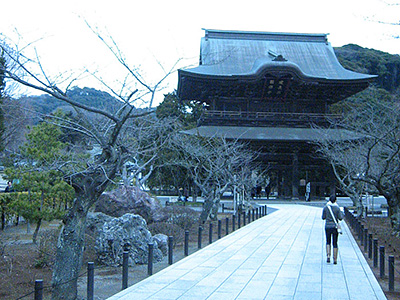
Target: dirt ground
[
  {"x": 381, "y": 230},
  {"x": 21, "y": 263}
]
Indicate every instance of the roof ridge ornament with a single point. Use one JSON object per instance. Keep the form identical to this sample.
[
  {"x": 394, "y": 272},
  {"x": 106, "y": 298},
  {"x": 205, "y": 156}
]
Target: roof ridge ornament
[
  {"x": 272, "y": 53},
  {"x": 279, "y": 58}
]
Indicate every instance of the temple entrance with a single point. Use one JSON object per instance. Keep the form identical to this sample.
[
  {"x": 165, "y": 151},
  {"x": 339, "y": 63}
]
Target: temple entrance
[{"x": 269, "y": 90}]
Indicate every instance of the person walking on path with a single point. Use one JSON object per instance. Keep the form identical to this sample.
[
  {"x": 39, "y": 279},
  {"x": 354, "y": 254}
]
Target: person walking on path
[{"x": 332, "y": 214}]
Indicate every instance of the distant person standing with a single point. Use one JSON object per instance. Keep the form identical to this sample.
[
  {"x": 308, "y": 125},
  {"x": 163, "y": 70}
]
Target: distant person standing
[
  {"x": 268, "y": 190},
  {"x": 332, "y": 215},
  {"x": 308, "y": 191},
  {"x": 9, "y": 188}
]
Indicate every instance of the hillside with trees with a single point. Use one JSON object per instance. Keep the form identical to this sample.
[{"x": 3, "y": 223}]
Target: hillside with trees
[
  {"x": 374, "y": 62},
  {"x": 46, "y": 104}
]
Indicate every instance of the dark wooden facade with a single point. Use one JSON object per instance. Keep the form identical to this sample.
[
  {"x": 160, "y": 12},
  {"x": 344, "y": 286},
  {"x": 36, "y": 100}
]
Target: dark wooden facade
[{"x": 268, "y": 89}]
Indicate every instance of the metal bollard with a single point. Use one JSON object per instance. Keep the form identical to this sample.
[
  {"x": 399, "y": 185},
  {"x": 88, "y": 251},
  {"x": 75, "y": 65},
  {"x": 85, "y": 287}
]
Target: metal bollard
[
  {"x": 375, "y": 253},
  {"x": 170, "y": 249},
  {"x": 150, "y": 260},
  {"x": 391, "y": 273},
  {"x": 210, "y": 232},
  {"x": 125, "y": 262},
  {"x": 362, "y": 235},
  {"x": 227, "y": 226},
  {"x": 199, "y": 237},
  {"x": 382, "y": 262},
  {"x": 219, "y": 228},
  {"x": 244, "y": 218},
  {"x": 249, "y": 217},
  {"x": 90, "y": 281},
  {"x": 186, "y": 251},
  {"x": 370, "y": 246},
  {"x": 238, "y": 221},
  {"x": 233, "y": 222},
  {"x": 38, "y": 289},
  {"x": 253, "y": 213},
  {"x": 365, "y": 239}
]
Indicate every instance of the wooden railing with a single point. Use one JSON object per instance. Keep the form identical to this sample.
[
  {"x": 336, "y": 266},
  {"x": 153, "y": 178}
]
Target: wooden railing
[{"x": 267, "y": 118}]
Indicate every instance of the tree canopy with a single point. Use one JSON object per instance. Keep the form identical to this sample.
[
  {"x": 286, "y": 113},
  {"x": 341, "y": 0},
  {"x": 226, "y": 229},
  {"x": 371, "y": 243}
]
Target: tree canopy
[
  {"x": 42, "y": 192},
  {"x": 367, "y": 157},
  {"x": 374, "y": 62},
  {"x": 2, "y": 95},
  {"x": 104, "y": 129},
  {"x": 46, "y": 104}
]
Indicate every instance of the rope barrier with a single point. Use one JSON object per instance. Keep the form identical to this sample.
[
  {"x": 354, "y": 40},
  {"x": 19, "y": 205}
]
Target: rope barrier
[
  {"x": 394, "y": 267},
  {"x": 352, "y": 222},
  {"x": 25, "y": 295},
  {"x": 50, "y": 287}
]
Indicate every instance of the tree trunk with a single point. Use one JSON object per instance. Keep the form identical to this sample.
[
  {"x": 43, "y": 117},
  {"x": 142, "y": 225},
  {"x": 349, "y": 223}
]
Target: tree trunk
[
  {"x": 393, "y": 208},
  {"x": 3, "y": 219},
  {"x": 70, "y": 248},
  {"x": 207, "y": 206},
  {"x": 359, "y": 210},
  {"x": 36, "y": 232},
  {"x": 214, "y": 209},
  {"x": 358, "y": 204},
  {"x": 394, "y": 215},
  {"x": 395, "y": 219},
  {"x": 210, "y": 207}
]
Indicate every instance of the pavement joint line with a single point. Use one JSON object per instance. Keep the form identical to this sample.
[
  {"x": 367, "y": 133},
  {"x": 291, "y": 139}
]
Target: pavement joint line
[
  {"x": 296, "y": 234},
  {"x": 276, "y": 244}
]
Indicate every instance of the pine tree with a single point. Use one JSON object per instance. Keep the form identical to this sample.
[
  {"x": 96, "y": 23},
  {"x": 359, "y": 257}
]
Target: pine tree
[{"x": 2, "y": 96}]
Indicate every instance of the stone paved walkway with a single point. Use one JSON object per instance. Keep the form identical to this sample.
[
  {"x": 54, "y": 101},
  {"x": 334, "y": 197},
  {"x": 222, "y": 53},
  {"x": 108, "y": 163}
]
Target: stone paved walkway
[{"x": 279, "y": 256}]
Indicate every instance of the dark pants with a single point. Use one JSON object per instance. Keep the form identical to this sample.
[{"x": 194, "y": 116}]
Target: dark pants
[{"x": 331, "y": 236}]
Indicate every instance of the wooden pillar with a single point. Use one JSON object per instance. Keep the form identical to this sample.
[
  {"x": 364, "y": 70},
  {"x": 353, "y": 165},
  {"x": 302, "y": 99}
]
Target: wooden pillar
[
  {"x": 287, "y": 183},
  {"x": 332, "y": 181},
  {"x": 295, "y": 176},
  {"x": 279, "y": 182}
]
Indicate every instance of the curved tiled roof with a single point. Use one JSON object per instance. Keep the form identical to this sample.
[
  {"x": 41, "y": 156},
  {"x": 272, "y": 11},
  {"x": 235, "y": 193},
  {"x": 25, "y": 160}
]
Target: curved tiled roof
[
  {"x": 230, "y": 53},
  {"x": 247, "y": 56}
]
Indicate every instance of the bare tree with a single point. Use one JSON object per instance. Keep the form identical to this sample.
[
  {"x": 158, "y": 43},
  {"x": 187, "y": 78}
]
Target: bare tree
[
  {"x": 16, "y": 120},
  {"x": 145, "y": 139},
  {"x": 215, "y": 165},
  {"x": 336, "y": 145},
  {"x": 90, "y": 179},
  {"x": 369, "y": 156}
]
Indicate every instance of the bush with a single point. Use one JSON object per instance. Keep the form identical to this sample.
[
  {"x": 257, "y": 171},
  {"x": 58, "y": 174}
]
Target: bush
[
  {"x": 183, "y": 217},
  {"x": 179, "y": 219},
  {"x": 169, "y": 230}
]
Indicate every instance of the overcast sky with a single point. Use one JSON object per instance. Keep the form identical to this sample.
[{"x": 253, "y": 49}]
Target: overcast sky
[{"x": 152, "y": 33}]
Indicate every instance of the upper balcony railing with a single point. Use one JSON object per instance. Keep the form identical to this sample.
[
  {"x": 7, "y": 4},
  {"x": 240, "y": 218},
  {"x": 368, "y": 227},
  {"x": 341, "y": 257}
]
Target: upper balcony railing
[{"x": 249, "y": 118}]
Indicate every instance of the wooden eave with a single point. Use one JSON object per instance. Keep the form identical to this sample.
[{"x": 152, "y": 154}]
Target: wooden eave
[{"x": 246, "y": 61}]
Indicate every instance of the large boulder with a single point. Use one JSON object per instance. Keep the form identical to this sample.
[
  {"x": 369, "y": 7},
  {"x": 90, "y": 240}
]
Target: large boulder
[
  {"x": 114, "y": 235},
  {"x": 124, "y": 200},
  {"x": 162, "y": 242}
]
